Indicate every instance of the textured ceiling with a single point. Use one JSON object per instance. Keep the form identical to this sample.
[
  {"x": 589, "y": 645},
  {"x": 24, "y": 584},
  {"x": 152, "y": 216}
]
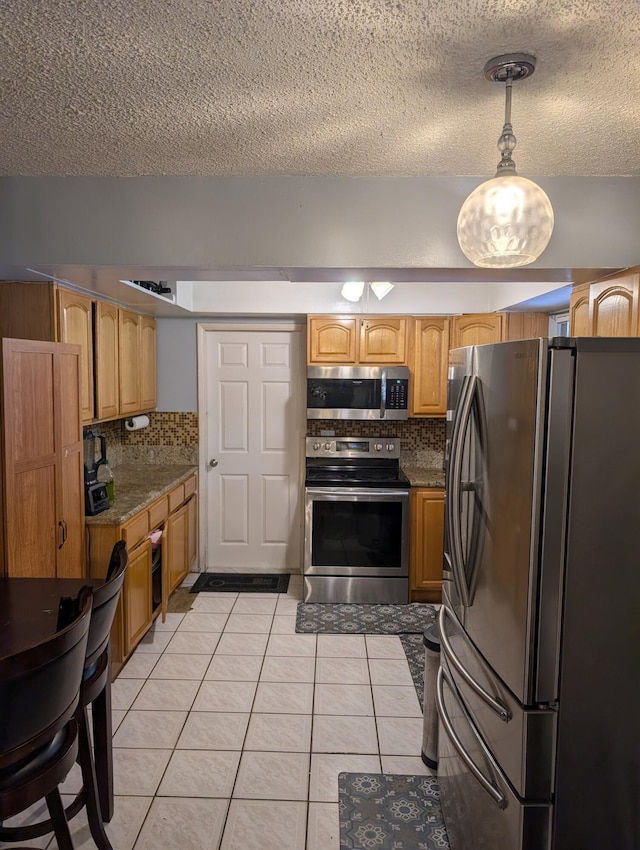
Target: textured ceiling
[{"x": 314, "y": 87}]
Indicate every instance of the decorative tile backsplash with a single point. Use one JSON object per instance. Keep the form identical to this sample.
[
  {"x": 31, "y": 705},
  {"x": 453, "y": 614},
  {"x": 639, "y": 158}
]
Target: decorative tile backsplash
[
  {"x": 170, "y": 438},
  {"x": 414, "y": 434},
  {"x": 173, "y": 438}
]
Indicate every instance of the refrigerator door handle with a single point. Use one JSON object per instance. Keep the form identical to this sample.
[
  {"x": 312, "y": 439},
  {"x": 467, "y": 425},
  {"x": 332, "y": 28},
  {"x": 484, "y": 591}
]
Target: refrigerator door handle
[
  {"x": 497, "y": 796},
  {"x": 455, "y": 483},
  {"x": 500, "y": 708}
]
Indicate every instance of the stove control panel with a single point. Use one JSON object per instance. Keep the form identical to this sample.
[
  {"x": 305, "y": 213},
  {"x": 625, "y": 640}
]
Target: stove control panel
[{"x": 352, "y": 447}]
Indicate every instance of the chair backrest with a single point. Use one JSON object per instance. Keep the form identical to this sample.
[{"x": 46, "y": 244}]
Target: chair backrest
[
  {"x": 105, "y": 602},
  {"x": 39, "y": 687}
]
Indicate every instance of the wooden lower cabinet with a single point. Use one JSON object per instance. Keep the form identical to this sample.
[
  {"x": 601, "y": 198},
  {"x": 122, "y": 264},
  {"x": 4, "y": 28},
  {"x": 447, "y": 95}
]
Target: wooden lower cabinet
[
  {"x": 136, "y": 593},
  {"x": 427, "y": 544},
  {"x": 176, "y": 533},
  {"x": 175, "y": 514}
]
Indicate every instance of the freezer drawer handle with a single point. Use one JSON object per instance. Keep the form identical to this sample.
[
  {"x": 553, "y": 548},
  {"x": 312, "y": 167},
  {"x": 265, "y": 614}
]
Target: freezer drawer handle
[
  {"x": 500, "y": 709},
  {"x": 499, "y": 799}
]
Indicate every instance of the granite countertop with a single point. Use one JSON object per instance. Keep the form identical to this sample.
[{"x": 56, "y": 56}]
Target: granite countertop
[
  {"x": 138, "y": 485},
  {"x": 424, "y": 476}
]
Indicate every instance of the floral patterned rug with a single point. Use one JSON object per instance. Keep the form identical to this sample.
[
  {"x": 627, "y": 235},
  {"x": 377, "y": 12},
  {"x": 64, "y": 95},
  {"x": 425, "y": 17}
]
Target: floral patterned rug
[
  {"x": 359, "y": 618},
  {"x": 385, "y": 812}
]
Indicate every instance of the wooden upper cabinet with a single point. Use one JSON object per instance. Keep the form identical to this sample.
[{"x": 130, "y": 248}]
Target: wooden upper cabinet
[
  {"x": 613, "y": 306},
  {"x": 148, "y": 377},
  {"x": 525, "y": 325},
  {"x": 579, "y": 324},
  {"x": 363, "y": 339},
  {"x": 75, "y": 325},
  {"x": 475, "y": 329},
  {"x": 429, "y": 366},
  {"x": 331, "y": 339},
  {"x": 383, "y": 339},
  {"x": 106, "y": 351},
  {"x": 129, "y": 361}
]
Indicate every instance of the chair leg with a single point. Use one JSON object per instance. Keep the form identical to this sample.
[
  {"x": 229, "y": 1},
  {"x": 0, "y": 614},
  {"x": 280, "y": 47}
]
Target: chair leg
[
  {"x": 102, "y": 747},
  {"x": 85, "y": 757},
  {"x": 59, "y": 821}
]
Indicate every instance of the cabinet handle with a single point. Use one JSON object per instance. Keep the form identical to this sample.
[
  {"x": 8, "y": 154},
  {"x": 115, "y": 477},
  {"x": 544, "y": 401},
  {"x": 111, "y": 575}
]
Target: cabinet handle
[{"x": 62, "y": 533}]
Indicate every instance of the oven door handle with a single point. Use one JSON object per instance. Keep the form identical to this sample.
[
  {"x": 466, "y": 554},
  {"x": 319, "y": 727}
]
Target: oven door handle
[{"x": 383, "y": 393}]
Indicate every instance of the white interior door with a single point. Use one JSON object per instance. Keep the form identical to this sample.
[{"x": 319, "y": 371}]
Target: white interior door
[{"x": 252, "y": 442}]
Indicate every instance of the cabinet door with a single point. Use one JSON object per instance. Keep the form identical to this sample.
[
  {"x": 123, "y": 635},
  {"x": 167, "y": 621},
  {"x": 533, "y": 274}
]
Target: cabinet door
[
  {"x": 148, "y": 380},
  {"x": 177, "y": 531},
  {"x": 137, "y": 595},
  {"x": 613, "y": 306},
  {"x": 579, "y": 311},
  {"x": 525, "y": 325},
  {"x": 106, "y": 350},
  {"x": 44, "y": 496},
  {"x": 192, "y": 531},
  {"x": 383, "y": 340},
  {"x": 476, "y": 329},
  {"x": 331, "y": 339},
  {"x": 30, "y": 538},
  {"x": 129, "y": 361},
  {"x": 429, "y": 369},
  {"x": 75, "y": 325},
  {"x": 427, "y": 543}
]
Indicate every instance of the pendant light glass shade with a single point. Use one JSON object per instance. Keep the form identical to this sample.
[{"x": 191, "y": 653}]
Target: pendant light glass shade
[
  {"x": 381, "y": 288},
  {"x": 506, "y": 222}
]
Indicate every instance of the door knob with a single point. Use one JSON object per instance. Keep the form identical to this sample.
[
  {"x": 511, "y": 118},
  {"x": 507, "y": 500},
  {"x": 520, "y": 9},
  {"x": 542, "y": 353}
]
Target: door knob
[{"x": 213, "y": 462}]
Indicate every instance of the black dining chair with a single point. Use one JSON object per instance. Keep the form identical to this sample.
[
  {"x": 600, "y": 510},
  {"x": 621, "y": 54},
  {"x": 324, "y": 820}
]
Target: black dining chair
[
  {"x": 96, "y": 762},
  {"x": 39, "y": 730}
]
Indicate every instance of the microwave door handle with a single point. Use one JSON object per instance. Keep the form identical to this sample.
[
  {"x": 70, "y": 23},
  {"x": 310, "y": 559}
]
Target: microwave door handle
[
  {"x": 383, "y": 393},
  {"x": 500, "y": 709},
  {"x": 462, "y": 420},
  {"x": 498, "y": 798}
]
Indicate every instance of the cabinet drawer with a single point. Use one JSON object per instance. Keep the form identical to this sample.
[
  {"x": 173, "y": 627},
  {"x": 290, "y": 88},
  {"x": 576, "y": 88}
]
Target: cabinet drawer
[
  {"x": 176, "y": 498},
  {"x": 189, "y": 486},
  {"x": 135, "y": 530},
  {"x": 158, "y": 512}
]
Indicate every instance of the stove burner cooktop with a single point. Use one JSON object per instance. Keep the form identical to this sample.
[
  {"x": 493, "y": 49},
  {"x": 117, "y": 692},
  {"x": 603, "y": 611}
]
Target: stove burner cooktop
[{"x": 358, "y": 469}]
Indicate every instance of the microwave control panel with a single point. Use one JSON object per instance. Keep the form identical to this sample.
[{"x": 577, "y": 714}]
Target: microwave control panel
[{"x": 397, "y": 394}]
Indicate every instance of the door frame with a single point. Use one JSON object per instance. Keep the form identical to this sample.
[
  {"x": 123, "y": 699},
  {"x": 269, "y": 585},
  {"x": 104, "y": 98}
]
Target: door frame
[{"x": 202, "y": 329}]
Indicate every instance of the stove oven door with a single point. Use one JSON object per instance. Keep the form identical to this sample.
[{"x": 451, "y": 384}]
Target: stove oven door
[{"x": 357, "y": 533}]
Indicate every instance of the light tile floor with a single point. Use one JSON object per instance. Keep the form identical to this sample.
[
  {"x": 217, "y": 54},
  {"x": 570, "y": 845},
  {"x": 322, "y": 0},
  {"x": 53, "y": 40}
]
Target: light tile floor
[{"x": 230, "y": 729}]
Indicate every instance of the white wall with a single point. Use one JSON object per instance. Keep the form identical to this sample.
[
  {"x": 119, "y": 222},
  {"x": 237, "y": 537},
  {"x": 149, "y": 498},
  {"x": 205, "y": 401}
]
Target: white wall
[{"x": 307, "y": 222}]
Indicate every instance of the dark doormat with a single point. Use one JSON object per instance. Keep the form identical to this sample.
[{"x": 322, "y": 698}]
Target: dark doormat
[
  {"x": 241, "y": 583},
  {"x": 389, "y": 812}
]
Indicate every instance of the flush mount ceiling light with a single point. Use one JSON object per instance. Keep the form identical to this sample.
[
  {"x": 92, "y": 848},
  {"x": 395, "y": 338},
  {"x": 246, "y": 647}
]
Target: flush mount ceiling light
[
  {"x": 508, "y": 220},
  {"x": 353, "y": 290}
]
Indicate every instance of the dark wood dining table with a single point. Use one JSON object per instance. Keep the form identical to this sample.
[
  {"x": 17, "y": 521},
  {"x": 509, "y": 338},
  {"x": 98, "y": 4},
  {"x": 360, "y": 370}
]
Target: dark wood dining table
[
  {"x": 29, "y": 609},
  {"x": 28, "y": 615}
]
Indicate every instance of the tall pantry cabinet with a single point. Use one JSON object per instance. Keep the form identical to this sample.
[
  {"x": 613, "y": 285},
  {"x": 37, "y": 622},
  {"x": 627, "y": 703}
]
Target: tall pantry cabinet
[{"x": 41, "y": 463}]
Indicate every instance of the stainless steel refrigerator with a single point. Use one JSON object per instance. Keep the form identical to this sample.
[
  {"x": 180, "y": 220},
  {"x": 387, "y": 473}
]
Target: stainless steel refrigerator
[{"x": 539, "y": 686}]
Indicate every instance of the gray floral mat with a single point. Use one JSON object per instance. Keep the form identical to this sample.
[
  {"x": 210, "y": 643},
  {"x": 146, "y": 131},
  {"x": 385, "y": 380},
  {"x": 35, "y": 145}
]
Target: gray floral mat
[
  {"x": 359, "y": 618},
  {"x": 385, "y": 812}
]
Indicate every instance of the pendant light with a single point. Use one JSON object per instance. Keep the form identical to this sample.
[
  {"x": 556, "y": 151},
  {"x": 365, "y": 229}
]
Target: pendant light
[
  {"x": 508, "y": 220},
  {"x": 353, "y": 290}
]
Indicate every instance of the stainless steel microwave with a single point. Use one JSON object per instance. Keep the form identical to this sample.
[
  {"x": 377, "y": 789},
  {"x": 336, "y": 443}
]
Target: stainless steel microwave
[{"x": 357, "y": 392}]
